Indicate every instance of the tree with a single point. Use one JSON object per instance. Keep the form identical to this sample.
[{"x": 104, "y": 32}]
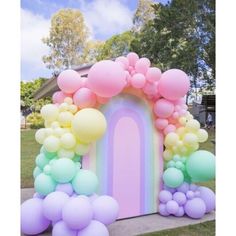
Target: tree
[
  {"x": 67, "y": 40},
  {"x": 116, "y": 46}
]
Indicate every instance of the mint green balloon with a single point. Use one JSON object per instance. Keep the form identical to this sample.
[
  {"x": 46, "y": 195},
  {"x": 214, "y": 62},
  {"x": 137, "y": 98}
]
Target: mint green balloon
[
  {"x": 85, "y": 182},
  {"x": 44, "y": 184},
  {"x": 63, "y": 170},
  {"x": 173, "y": 177},
  {"x": 201, "y": 166},
  {"x": 36, "y": 171},
  {"x": 41, "y": 160},
  {"x": 50, "y": 155}
]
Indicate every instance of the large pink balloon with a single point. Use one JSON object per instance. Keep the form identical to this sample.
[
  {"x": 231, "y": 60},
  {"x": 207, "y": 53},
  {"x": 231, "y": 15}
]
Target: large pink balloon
[
  {"x": 173, "y": 84},
  {"x": 142, "y": 65},
  {"x": 133, "y": 58},
  {"x": 138, "y": 80},
  {"x": 106, "y": 78},
  {"x": 69, "y": 81},
  {"x": 153, "y": 74},
  {"x": 84, "y": 97},
  {"x": 163, "y": 108},
  {"x": 59, "y": 96}
]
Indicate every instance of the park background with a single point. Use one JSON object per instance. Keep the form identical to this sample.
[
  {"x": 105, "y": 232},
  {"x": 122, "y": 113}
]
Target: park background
[{"x": 225, "y": 171}]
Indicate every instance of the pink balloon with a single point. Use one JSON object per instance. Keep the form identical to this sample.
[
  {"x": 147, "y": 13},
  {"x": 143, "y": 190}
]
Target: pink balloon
[
  {"x": 177, "y": 107},
  {"x": 174, "y": 84},
  {"x": 130, "y": 68},
  {"x": 133, "y": 58},
  {"x": 180, "y": 101},
  {"x": 169, "y": 128},
  {"x": 163, "y": 108},
  {"x": 150, "y": 89},
  {"x": 69, "y": 81},
  {"x": 161, "y": 123},
  {"x": 153, "y": 74},
  {"x": 142, "y": 65},
  {"x": 84, "y": 97},
  {"x": 175, "y": 115},
  {"x": 59, "y": 96},
  {"x": 182, "y": 112},
  {"x": 138, "y": 80},
  {"x": 106, "y": 78},
  {"x": 102, "y": 100},
  {"x": 124, "y": 62}
]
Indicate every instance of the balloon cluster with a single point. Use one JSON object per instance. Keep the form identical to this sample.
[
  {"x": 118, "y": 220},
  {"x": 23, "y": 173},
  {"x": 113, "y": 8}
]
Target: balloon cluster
[{"x": 189, "y": 199}]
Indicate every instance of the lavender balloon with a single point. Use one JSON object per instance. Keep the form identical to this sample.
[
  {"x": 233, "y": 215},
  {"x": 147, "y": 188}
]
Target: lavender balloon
[
  {"x": 190, "y": 194},
  {"x": 172, "y": 207},
  {"x": 195, "y": 208},
  {"x": 193, "y": 187},
  {"x": 180, "y": 212},
  {"x": 66, "y": 188},
  {"x": 184, "y": 187},
  {"x": 172, "y": 190},
  {"x": 208, "y": 196},
  {"x": 180, "y": 198},
  {"x": 165, "y": 196},
  {"x": 61, "y": 229},
  {"x": 37, "y": 195},
  {"x": 32, "y": 218},
  {"x": 162, "y": 210},
  {"x": 53, "y": 204},
  {"x": 105, "y": 209},
  {"x": 95, "y": 228}
]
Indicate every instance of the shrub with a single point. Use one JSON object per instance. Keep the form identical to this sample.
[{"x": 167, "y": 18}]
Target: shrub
[{"x": 35, "y": 120}]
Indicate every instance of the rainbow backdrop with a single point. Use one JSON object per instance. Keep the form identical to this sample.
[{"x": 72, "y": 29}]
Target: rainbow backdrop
[{"x": 150, "y": 166}]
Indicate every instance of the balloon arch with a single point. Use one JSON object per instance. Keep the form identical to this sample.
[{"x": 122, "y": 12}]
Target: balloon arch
[{"x": 65, "y": 193}]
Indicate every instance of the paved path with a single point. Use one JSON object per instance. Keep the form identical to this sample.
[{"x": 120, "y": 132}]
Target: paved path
[{"x": 139, "y": 225}]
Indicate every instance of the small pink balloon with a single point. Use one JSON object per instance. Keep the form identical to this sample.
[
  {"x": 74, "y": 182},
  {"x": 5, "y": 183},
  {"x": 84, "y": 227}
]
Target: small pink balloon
[
  {"x": 133, "y": 72},
  {"x": 161, "y": 123},
  {"x": 182, "y": 112},
  {"x": 180, "y": 101},
  {"x": 138, "y": 80},
  {"x": 142, "y": 65},
  {"x": 106, "y": 78},
  {"x": 163, "y": 108},
  {"x": 172, "y": 120},
  {"x": 133, "y": 58},
  {"x": 69, "y": 81},
  {"x": 59, "y": 96},
  {"x": 173, "y": 84},
  {"x": 153, "y": 74},
  {"x": 175, "y": 115},
  {"x": 124, "y": 62},
  {"x": 150, "y": 88},
  {"x": 169, "y": 128},
  {"x": 130, "y": 69},
  {"x": 84, "y": 97},
  {"x": 102, "y": 100},
  {"x": 177, "y": 107}
]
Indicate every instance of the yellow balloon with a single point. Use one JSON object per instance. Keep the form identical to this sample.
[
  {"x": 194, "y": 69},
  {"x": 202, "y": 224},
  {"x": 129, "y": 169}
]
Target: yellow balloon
[
  {"x": 181, "y": 131},
  {"x": 68, "y": 100},
  {"x": 50, "y": 112},
  {"x": 65, "y": 153},
  {"x": 49, "y": 131},
  {"x": 183, "y": 150},
  {"x": 171, "y": 139},
  {"x": 82, "y": 149},
  {"x": 202, "y": 135},
  {"x": 65, "y": 118},
  {"x": 40, "y": 135},
  {"x": 59, "y": 132},
  {"x": 183, "y": 120},
  {"x": 167, "y": 155},
  {"x": 55, "y": 124},
  {"x": 51, "y": 143},
  {"x": 89, "y": 124},
  {"x": 193, "y": 125},
  {"x": 190, "y": 139},
  {"x": 63, "y": 107},
  {"x": 73, "y": 108},
  {"x": 68, "y": 140},
  {"x": 47, "y": 123}
]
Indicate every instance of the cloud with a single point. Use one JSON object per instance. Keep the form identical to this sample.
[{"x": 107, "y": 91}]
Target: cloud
[
  {"x": 106, "y": 17},
  {"x": 33, "y": 29}
]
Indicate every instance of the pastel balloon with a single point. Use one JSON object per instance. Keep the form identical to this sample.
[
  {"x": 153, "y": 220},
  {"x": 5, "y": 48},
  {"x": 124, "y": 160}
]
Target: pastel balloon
[
  {"x": 66, "y": 153},
  {"x": 49, "y": 112},
  {"x": 195, "y": 208},
  {"x": 138, "y": 80},
  {"x": 184, "y": 187},
  {"x": 89, "y": 125},
  {"x": 173, "y": 84},
  {"x": 165, "y": 196},
  {"x": 61, "y": 229},
  {"x": 65, "y": 118},
  {"x": 41, "y": 160},
  {"x": 68, "y": 140},
  {"x": 36, "y": 171},
  {"x": 202, "y": 135},
  {"x": 163, "y": 108},
  {"x": 142, "y": 65},
  {"x": 32, "y": 218},
  {"x": 201, "y": 166},
  {"x": 172, "y": 207},
  {"x": 95, "y": 228},
  {"x": 132, "y": 58},
  {"x": 77, "y": 213},
  {"x": 180, "y": 198},
  {"x": 102, "y": 100},
  {"x": 180, "y": 212},
  {"x": 84, "y": 97},
  {"x": 66, "y": 188},
  {"x": 124, "y": 62},
  {"x": 44, "y": 184},
  {"x": 190, "y": 139},
  {"x": 51, "y": 144},
  {"x": 82, "y": 149},
  {"x": 162, "y": 210},
  {"x": 40, "y": 135},
  {"x": 171, "y": 139},
  {"x": 193, "y": 125},
  {"x": 53, "y": 204},
  {"x": 59, "y": 97},
  {"x": 208, "y": 196},
  {"x": 69, "y": 81},
  {"x": 106, "y": 78},
  {"x": 161, "y": 123},
  {"x": 153, "y": 74},
  {"x": 105, "y": 209},
  {"x": 167, "y": 155},
  {"x": 173, "y": 177},
  {"x": 150, "y": 89}
]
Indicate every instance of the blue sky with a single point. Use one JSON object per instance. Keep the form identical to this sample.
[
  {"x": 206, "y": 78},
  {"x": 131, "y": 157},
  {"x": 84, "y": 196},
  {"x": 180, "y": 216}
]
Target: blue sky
[{"x": 103, "y": 17}]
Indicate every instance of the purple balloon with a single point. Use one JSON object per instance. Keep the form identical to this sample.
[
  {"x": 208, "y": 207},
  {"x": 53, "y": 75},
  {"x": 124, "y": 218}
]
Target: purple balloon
[
  {"x": 77, "y": 212},
  {"x": 195, "y": 208},
  {"x": 93, "y": 197},
  {"x": 37, "y": 195},
  {"x": 165, "y": 196},
  {"x": 172, "y": 190},
  {"x": 172, "y": 207},
  {"x": 105, "y": 209},
  {"x": 53, "y": 204},
  {"x": 95, "y": 228},
  {"x": 208, "y": 196},
  {"x": 162, "y": 210},
  {"x": 66, "y": 188},
  {"x": 190, "y": 194},
  {"x": 193, "y": 187},
  {"x": 32, "y": 218},
  {"x": 184, "y": 187},
  {"x": 61, "y": 229},
  {"x": 197, "y": 194},
  {"x": 180, "y": 212},
  {"x": 180, "y": 198}
]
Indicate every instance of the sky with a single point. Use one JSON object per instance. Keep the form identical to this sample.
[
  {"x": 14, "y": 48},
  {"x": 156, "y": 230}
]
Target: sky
[{"x": 104, "y": 18}]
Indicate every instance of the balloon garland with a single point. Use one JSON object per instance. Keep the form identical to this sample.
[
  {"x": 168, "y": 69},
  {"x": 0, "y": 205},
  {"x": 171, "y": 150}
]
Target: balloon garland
[{"x": 65, "y": 194}]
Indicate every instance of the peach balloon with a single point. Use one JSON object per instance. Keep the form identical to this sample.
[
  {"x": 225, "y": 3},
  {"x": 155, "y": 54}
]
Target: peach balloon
[
  {"x": 163, "y": 108},
  {"x": 84, "y": 97},
  {"x": 138, "y": 80},
  {"x": 133, "y": 58},
  {"x": 69, "y": 81},
  {"x": 142, "y": 65},
  {"x": 153, "y": 74}
]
